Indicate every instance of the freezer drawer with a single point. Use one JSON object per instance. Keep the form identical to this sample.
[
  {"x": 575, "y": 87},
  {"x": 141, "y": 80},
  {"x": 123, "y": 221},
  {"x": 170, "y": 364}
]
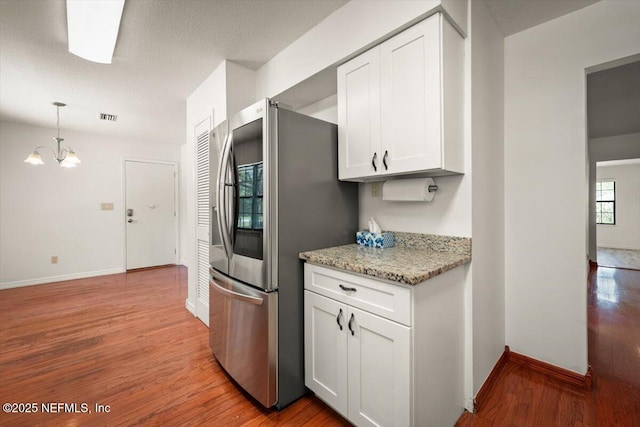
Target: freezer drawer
[{"x": 242, "y": 335}]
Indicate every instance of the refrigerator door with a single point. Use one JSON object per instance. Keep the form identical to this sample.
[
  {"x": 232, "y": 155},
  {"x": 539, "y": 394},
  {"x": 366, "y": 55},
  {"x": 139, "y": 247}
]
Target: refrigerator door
[
  {"x": 242, "y": 335},
  {"x": 218, "y": 173},
  {"x": 249, "y": 222}
]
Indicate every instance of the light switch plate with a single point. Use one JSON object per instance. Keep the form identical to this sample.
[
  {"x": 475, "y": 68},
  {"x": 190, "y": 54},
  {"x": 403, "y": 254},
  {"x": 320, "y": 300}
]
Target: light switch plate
[
  {"x": 376, "y": 189},
  {"x": 106, "y": 206}
]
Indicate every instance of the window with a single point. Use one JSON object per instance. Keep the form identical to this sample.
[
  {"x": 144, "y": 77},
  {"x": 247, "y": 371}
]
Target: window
[
  {"x": 250, "y": 197},
  {"x": 606, "y": 202}
]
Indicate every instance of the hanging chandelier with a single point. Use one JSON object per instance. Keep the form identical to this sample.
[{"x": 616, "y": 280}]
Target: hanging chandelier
[{"x": 64, "y": 155}]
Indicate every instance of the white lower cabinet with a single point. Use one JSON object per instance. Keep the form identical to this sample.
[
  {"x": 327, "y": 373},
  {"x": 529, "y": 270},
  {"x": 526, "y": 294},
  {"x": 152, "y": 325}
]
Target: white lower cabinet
[
  {"x": 400, "y": 366},
  {"x": 357, "y": 362}
]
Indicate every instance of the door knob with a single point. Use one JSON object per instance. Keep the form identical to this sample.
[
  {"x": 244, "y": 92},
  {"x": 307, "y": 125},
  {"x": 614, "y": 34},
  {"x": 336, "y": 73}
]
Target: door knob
[{"x": 130, "y": 220}]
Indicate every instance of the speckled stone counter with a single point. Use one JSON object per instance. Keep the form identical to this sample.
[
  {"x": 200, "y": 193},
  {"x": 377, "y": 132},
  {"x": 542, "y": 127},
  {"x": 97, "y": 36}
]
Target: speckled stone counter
[{"x": 414, "y": 259}]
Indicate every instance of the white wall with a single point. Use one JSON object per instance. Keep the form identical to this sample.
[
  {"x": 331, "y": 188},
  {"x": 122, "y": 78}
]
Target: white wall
[
  {"x": 451, "y": 210},
  {"x": 487, "y": 133},
  {"x": 348, "y": 31},
  {"x": 325, "y": 109},
  {"x": 601, "y": 149},
  {"x": 625, "y": 234},
  {"x": 545, "y": 175},
  {"x": 227, "y": 90},
  {"x": 207, "y": 103},
  {"x": 241, "y": 87},
  {"x": 47, "y": 210}
]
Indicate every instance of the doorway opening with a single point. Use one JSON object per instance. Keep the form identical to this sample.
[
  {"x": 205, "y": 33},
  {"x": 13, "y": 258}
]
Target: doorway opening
[
  {"x": 618, "y": 213},
  {"x": 613, "y": 102}
]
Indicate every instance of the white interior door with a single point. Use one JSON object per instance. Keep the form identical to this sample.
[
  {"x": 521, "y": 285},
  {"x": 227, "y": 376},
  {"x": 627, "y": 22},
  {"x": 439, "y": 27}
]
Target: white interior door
[{"x": 150, "y": 214}]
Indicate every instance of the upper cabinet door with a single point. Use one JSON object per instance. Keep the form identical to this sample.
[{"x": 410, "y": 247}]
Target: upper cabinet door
[
  {"x": 411, "y": 99},
  {"x": 359, "y": 116}
]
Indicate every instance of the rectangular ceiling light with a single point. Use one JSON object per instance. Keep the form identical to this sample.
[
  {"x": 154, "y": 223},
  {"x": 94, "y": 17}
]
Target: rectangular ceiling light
[{"x": 93, "y": 28}]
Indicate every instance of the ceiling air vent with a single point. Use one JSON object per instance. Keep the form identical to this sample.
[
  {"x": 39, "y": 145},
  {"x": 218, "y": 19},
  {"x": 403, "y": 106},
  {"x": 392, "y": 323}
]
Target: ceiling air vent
[{"x": 107, "y": 117}]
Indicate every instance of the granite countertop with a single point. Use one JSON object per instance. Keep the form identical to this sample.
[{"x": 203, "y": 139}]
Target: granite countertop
[{"x": 414, "y": 259}]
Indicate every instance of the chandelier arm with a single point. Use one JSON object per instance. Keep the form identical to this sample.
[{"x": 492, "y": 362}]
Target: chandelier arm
[{"x": 55, "y": 155}]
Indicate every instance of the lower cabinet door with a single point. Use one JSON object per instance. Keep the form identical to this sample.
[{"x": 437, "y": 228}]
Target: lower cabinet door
[
  {"x": 325, "y": 350},
  {"x": 379, "y": 366}
]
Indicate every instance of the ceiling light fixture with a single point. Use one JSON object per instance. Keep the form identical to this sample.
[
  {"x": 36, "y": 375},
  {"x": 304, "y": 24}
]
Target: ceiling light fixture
[
  {"x": 65, "y": 155},
  {"x": 93, "y": 28}
]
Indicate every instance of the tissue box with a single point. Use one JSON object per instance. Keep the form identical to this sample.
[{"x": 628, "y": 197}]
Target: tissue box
[{"x": 375, "y": 240}]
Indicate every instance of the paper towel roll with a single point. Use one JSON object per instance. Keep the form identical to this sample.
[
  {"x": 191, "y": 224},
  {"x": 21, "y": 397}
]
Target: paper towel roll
[{"x": 408, "y": 190}]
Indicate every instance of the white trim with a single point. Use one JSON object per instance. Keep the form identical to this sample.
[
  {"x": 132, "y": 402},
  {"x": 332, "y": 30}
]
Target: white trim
[
  {"x": 62, "y": 278},
  {"x": 613, "y": 64},
  {"x": 176, "y": 204},
  {"x": 190, "y": 307},
  {"x": 624, "y": 162}
]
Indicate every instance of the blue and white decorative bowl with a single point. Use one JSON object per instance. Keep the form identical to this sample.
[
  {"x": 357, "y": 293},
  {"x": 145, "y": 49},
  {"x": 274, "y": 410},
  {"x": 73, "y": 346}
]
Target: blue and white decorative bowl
[{"x": 375, "y": 240}]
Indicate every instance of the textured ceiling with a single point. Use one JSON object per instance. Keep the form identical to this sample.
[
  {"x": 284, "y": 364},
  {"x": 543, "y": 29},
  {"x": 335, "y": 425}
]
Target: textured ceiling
[
  {"x": 514, "y": 16},
  {"x": 613, "y": 101},
  {"x": 165, "y": 49}
]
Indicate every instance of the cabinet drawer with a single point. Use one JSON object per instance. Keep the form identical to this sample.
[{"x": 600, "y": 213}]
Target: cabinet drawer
[{"x": 392, "y": 302}]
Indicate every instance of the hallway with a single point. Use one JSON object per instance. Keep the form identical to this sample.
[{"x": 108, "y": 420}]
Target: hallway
[
  {"x": 614, "y": 345},
  {"x": 525, "y": 398}
]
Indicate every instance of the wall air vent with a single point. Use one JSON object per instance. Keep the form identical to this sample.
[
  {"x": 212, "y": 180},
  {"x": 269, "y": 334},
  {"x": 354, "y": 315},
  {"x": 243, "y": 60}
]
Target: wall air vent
[{"x": 107, "y": 117}]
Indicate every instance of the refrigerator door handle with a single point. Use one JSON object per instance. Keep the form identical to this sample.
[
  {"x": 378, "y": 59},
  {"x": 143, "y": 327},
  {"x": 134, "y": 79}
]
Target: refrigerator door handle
[
  {"x": 222, "y": 197},
  {"x": 234, "y": 188},
  {"x": 236, "y": 295}
]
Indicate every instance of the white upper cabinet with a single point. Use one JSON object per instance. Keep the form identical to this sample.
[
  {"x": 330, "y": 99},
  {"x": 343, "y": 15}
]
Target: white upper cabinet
[
  {"x": 359, "y": 115},
  {"x": 400, "y": 105}
]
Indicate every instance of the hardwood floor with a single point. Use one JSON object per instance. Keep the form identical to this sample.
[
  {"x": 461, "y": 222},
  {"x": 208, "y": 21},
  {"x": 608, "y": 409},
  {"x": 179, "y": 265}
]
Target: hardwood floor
[
  {"x": 125, "y": 341},
  {"x": 526, "y": 398}
]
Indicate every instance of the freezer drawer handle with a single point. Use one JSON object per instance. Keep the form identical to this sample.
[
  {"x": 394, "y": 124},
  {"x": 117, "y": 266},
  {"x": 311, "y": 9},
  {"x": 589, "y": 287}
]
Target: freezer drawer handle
[
  {"x": 231, "y": 294},
  {"x": 346, "y": 288},
  {"x": 350, "y": 322},
  {"x": 338, "y": 319}
]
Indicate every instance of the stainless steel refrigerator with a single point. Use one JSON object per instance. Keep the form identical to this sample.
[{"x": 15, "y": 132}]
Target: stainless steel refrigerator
[{"x": 274, "y": 193}]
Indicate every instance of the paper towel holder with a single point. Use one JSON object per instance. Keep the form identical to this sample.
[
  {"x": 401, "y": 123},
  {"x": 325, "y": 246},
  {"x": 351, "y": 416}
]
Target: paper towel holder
[{"x": 409, "y": 190}]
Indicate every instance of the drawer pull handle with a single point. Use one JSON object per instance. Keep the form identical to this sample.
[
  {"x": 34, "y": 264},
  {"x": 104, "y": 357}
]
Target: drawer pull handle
[
  {"x": 351, "y": 321},
  {"x": 346, "y": 288},
  {"x": 338, "y": 319}
]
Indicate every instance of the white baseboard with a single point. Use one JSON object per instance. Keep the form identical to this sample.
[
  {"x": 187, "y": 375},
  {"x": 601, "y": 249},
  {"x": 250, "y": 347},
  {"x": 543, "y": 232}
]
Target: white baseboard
[
  {"x": 190, "y": 306},
  {"x": 52, "y": 279}
]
